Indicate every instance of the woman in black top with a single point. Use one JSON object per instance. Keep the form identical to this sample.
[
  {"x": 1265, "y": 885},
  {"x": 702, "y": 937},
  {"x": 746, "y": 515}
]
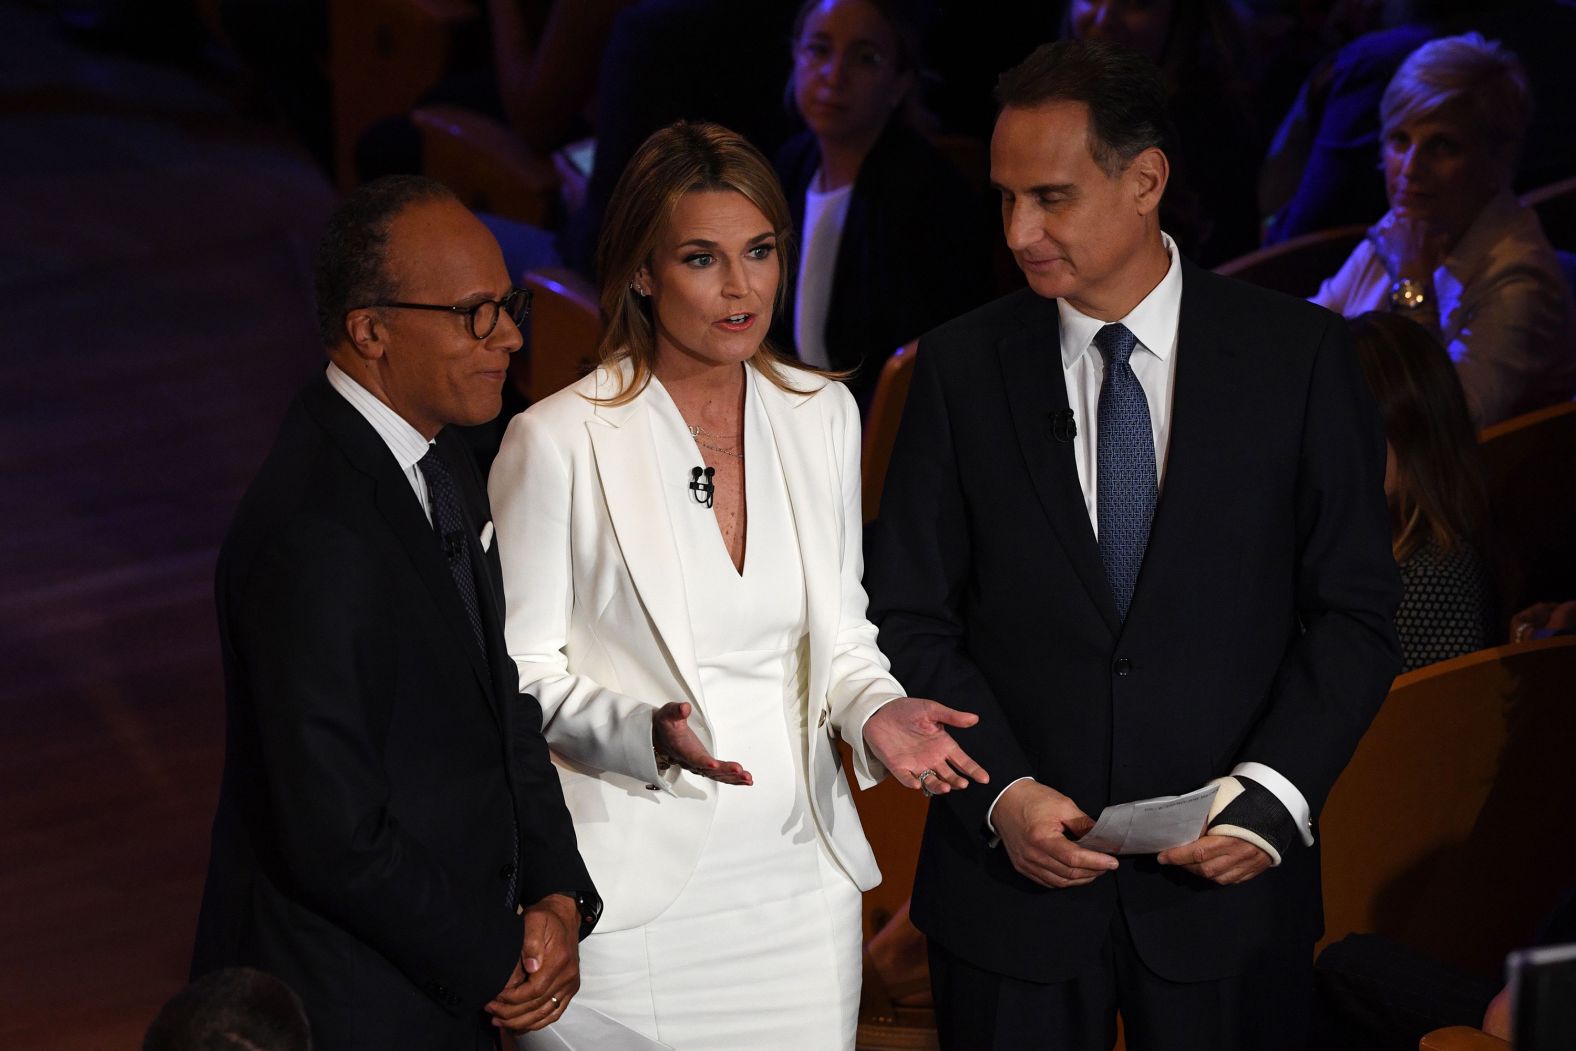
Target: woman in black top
[{"x": 892, "y": 241}]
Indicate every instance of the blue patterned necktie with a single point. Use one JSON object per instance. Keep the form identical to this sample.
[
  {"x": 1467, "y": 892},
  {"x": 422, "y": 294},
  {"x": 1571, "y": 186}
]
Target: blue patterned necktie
[
  {"x": 1125, "y": 475},
  {"x": 449, "y": 524}
]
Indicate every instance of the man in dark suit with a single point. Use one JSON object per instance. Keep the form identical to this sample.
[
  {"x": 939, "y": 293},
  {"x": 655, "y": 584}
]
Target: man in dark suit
[
  {"x": 1134, "y": 520},
  {"x": 391, "y": 838}
]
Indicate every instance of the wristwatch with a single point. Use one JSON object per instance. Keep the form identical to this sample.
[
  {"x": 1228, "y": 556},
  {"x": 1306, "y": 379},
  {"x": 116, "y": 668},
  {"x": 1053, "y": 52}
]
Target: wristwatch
[
  {"x": 1407, "y": 295},
  {"x": 589, "y": 908}
]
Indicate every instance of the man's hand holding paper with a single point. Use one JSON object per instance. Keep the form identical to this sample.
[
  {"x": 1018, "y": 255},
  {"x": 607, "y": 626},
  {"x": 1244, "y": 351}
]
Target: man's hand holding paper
[
  {"x": 1150, "y": 826},
  {"x": 1034, "y": 823}
]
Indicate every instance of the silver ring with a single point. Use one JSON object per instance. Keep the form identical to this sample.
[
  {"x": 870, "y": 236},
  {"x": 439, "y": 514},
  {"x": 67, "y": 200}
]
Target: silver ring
[
  {"x": 554, "y": 999},
  {"x": 927, "y": 772}
]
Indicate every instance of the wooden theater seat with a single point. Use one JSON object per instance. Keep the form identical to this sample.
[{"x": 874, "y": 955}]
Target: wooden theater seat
[
  {"x": 1297, "y": 266},
  {"x": 565, "y": 328},
  {"x": 1527, "y": 465},
  {"x": 383, "y": 56},
  {"x": 1461, "y": 1038},
  {"x": 1446, "y": 831},
  {"x": 487, "y": 165},
  {"x": 886, "y": 410}
]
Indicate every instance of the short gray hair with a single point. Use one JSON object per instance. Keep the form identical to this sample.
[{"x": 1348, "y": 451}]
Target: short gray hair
[{"x": 1482, "y": 78}]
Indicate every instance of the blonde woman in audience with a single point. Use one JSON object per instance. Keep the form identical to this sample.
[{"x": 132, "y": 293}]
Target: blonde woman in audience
[
  {"x": 1456, "y": 252},
  {"x": 681, "y": 553},
  {"x": 1433, "y": 484}
]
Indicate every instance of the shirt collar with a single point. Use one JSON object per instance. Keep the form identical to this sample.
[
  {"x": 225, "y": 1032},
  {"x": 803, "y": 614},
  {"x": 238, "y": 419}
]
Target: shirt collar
[
  {"x": 1153, "y": 320},
  {"x": 403, "y": 440}
]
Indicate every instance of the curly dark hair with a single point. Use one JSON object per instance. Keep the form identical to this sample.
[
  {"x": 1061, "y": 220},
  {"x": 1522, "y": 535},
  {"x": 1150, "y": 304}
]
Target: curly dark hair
[{"x": 352, "y": 259}]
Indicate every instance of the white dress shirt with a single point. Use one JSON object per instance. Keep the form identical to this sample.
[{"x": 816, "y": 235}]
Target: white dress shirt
[
  {"x": 403, "y": 440},
  {"x": 1154, "y": 322}
]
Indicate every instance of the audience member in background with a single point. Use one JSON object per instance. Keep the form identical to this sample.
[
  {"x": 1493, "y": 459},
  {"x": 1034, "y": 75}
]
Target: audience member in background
[
  {"x": 668, "y": 60},
  {"x": 1434, "y": 486},
  {"x": 1374, "y": 993},
  {"x": 1319, "y": 171},
  {"x": 1456, "y": 252},
  {"x": 1544, "y": 620},
  {"x": 892, "y": 240},
  {"x": 235, "y": 1008},
  {"x": 536, "y": 74},
  {"x": 546, "y": 54},
  {"x": 681, "y": 540},
  {"x": 1201, "y": 50}
]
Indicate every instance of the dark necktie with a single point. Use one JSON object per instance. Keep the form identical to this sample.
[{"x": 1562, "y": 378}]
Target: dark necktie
[
  {"x": 449, "y": 524},
  {"x": 1125, "y": 475}
]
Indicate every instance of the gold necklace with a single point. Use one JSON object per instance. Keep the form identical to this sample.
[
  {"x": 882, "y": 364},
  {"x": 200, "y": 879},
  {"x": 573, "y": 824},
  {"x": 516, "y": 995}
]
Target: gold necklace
[{"x": 700, "y": 436}]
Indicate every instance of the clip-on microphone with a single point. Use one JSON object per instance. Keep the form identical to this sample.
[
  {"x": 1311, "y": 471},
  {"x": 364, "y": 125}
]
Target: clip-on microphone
[{"x": 702, "y": 490}]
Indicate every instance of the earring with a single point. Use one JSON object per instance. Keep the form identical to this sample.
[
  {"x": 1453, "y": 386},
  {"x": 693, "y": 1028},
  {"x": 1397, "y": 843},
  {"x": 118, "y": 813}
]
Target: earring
[{"x": 634, "y": 287}]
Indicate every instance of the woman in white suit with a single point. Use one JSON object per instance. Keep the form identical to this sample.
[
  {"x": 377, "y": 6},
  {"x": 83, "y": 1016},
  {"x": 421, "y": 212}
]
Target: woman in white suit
[{"x": 680, "y": 535}]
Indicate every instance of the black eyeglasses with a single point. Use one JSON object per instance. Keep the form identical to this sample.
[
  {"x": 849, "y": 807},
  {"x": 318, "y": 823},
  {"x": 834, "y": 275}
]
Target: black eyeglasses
[{"x": 482, "y": 317}]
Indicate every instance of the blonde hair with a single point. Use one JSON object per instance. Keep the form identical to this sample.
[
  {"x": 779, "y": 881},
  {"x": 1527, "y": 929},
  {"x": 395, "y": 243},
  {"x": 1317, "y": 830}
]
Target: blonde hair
[
  {"x": 1482, "y": 78},
  {"x": 682, "y": 158}
]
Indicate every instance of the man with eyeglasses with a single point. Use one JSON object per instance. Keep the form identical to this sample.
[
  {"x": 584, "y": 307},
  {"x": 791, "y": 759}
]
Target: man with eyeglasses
[{"x": 391, "y": 838}]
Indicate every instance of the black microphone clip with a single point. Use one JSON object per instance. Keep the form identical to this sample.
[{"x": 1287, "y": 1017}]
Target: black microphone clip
[
  {"x": 453, "y": 545},
  {"x": 1064, "y": 428},
  {"x": 702, "y": 490}
]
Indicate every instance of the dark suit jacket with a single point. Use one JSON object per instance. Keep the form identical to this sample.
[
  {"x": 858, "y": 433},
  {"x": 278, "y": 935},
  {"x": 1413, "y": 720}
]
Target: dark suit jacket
[
  {"x": 1260, "y": 629},
  {"x": 914, "y": 251},
  {"x": 376, "y": 762}
]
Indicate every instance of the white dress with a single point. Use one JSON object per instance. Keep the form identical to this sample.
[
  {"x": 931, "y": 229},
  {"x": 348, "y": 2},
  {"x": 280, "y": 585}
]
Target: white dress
[{"x": 761, "y": 948}]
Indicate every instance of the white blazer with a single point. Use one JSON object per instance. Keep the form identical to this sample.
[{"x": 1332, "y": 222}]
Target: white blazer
[{"x": 598, "y": 623}]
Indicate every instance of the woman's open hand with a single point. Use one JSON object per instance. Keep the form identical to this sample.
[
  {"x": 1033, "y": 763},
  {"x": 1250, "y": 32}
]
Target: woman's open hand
[
  {"x": 676, "y": 742},
  {"x": 909, "y": 736}
]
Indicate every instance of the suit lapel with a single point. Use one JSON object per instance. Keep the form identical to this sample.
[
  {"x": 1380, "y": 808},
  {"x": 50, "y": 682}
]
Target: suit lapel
[
  {"x": 799, "y": 430},
  {"x": 401, "y": 512},
  {"x": 626, "y": 463},
  {"x": 1203, "y": 387},
  {"x": 1036, "y": 390}
]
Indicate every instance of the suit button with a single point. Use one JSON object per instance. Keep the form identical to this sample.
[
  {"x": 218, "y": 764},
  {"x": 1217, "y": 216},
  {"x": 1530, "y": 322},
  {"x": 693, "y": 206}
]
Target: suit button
[
  {"x": 652, "y": 788},
  {"x": 1123, "y": 666},
  {"x": 506, "y": 873}
]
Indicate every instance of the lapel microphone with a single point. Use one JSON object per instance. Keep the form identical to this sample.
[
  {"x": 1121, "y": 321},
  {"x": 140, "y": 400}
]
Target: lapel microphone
[
  {"x": 1064, "y": 428},
  {"x": 453, "y": 545},
  {"x": 701, "y": 490}
]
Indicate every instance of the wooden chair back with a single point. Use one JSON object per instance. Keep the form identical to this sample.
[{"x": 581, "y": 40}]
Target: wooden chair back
[
  {"x": 566, "y": 325},
  {"x": 1556, "y": 208},
  {"x": 1527, "y": 464},
  {"x": 487, "y": 165},
  {"x": 886, "y": 411},
  {"x": 1448, "y": 832},
  {"x": 1298, "y": 265},
  {"x": 383, "y": 56}
]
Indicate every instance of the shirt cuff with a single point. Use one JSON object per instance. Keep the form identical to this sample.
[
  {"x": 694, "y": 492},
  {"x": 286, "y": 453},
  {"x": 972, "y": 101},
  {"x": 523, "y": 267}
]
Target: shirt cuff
[
  {"x": 989, "y": 824},
  {"x": 1284, "y": 791}
]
